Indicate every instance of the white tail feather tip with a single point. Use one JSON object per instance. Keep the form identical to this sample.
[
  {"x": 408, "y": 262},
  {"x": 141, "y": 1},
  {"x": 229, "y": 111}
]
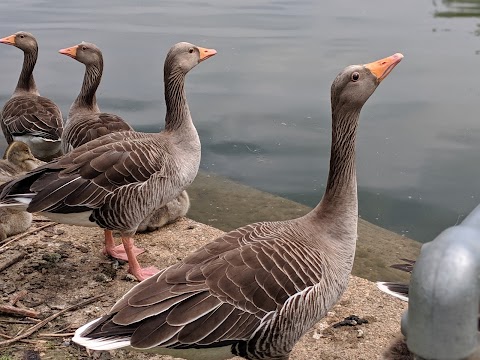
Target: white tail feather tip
[
  {"x": 99, "y": 344},
  {"x": 384, "y": 287}
]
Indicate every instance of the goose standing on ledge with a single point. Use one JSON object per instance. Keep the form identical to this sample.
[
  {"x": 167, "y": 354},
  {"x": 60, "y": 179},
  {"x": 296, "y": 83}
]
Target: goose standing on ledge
[
  {"x": 85, "y": 122},
  {"x": 256, "y": 290},
  {"x": 119, "y": 179},
  {"x": 27, "y": 116}
]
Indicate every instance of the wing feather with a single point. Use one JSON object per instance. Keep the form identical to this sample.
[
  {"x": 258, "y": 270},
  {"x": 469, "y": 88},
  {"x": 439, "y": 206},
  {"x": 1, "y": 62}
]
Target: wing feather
[
  {"x": 32, "y": 115},
  {"x": 230, "y": 286},
  {"x": 86, "y": 175}
]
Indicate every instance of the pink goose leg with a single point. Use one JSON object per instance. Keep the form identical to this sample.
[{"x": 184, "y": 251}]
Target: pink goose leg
[
  {"x": 133, "y": 265},
  {"x": 118, "y": 252}
]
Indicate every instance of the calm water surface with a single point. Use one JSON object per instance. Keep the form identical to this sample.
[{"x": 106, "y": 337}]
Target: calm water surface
[{"x": 261, "y": 105}]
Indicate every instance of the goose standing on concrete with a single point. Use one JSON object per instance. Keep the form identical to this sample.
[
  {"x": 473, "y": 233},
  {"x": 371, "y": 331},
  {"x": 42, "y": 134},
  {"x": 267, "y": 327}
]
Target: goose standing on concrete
[
  {"x": 17, "y": 160},
  {"x": 85, "y": 122},
  {"x": 27, "y": 116},
  {"x": 256, "y": 290},
  {"x": 119, "y": 179}
]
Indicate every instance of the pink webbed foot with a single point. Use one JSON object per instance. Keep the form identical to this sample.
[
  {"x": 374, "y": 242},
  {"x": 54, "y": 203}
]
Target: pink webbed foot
[
  {"x": 118, "y": 252},
  {"x": 134, "y": 267},
  {"x": 143, "y": 273}
]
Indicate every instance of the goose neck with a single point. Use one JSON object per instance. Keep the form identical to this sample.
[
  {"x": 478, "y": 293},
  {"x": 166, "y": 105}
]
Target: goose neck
[
  {"x": 87, "y": 100},
  {"x": 26, "y": 82},
  {"x": 178, "y": 113},
  {"x": 341, "y": 190}
]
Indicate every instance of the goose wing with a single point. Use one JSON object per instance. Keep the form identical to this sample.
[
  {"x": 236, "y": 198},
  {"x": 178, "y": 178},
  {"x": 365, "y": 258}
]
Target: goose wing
[
  {"x": 217, "y": 296},
  {"x": 85, "y": 128},
  {"x": 83, "y": 178},
  {"x": 32, "y": 115}
]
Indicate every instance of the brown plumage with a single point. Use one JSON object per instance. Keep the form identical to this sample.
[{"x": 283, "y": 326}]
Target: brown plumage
[
  {"x": 27, "y": 116},
  {"x": 85, "y": 122},
  {"x": 256, "y": 290},
  {"x": 17, "y": 160},
  {"x": 117, "y": 180},
  {"x": 168, "y": 214}
]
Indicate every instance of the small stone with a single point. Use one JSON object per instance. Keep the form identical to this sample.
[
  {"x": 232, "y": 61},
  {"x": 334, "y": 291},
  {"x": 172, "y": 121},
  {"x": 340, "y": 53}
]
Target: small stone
[
  {"x": 52, "y": 257},
  {"x": 31, "y": 355},
  {"x": 57, "y": 306},
  {"x": 82, "y": 248},
  {"x": 323, "y": 325},
  {"x": 191, "y": 227},
  {"x": 130, "y": 277},
  {"x": 102, "y": 278},
  {"x": 360, "y": 333},
  {"x": 316, "y": 335}
]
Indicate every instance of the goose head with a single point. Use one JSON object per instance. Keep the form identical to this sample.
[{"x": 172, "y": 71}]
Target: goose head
[
  {"x": 86, "y": 53},
  {"x": 184, "y": 57},
  {"x": 354, "y": 85},
  {"x": 18, "y": 153},
  {"x": 22, "y": 40}
]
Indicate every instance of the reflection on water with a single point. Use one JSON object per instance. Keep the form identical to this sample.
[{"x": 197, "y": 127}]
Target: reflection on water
[{"x": 458, "y": 8}]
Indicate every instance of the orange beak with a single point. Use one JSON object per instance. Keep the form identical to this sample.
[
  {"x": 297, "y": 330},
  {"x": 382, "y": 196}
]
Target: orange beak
[
  {"x": 381, "y": 68},
  {"x": 71, "y": 51},
  {"x": 10, "y": 40},
  {"x": 206, "y": 53}
]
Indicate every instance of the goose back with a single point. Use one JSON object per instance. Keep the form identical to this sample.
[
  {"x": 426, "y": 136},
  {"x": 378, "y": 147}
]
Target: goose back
[
  {"x": 107, "y": 175},
  {"x": 81, "y": 128},
  {"x": 264, "y": 276}
]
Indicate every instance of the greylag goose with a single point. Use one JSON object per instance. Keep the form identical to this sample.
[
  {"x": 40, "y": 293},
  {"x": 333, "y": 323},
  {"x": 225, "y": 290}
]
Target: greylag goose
[
  {"x": 85, "y": 122},
  {"x": 27, "y": 116},
  {"x": 115, "y": 181},
  {"x": 168, "y": 214},
  {"x": 256, "y": 290},
  {"x": 396, "y": 289},
  {"x": 16, "y": 161}
]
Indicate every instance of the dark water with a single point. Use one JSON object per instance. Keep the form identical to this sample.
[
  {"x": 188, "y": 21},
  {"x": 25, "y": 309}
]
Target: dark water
[{"x": 262, "y": 104}]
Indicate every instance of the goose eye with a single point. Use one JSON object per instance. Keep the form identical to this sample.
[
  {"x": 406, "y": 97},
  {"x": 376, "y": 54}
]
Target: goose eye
[
  {"x": 355, "y": 76},
  {"x": 22, "y": 36},
  {"x": 190, "y": 50},
  {"x": 84, "y": 48}
]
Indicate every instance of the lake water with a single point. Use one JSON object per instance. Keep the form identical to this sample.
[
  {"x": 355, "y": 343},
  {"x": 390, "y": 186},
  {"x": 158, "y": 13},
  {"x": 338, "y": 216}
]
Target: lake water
[{"x": 261, "y": 105}]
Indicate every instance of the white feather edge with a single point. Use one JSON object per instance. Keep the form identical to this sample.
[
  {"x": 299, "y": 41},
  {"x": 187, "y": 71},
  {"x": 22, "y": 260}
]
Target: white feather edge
[
  {"x": 383, "y": 287},
  {"x": 102, "y": 344},
  {"x": 99, "y": 344}
]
